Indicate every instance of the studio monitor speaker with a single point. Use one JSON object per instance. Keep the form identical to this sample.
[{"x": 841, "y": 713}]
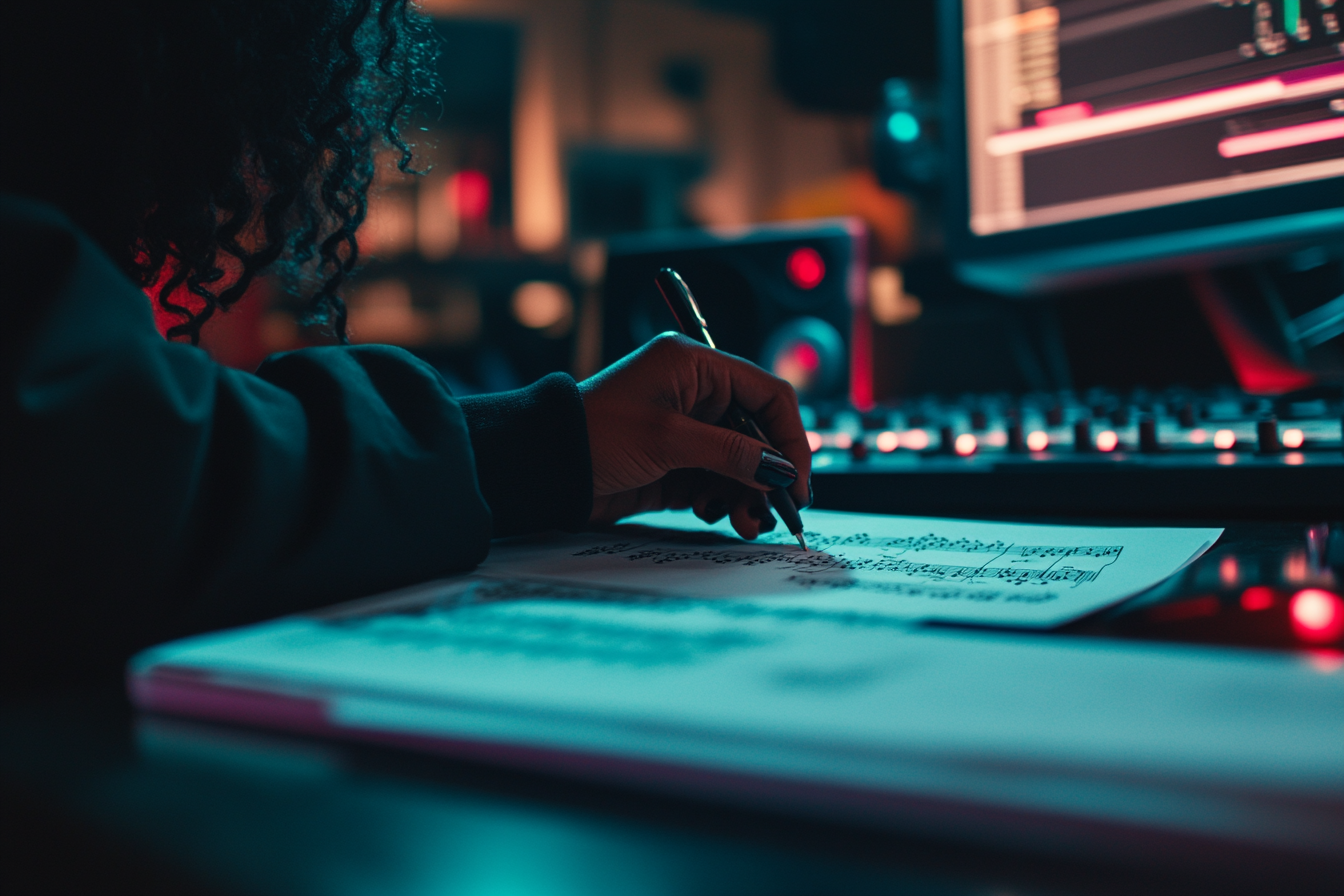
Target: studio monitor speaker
[{"x": 790, "y": 297}]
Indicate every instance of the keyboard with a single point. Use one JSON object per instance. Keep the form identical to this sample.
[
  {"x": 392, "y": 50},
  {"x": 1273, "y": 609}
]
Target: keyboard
[{"x": 1159, "y": 455}]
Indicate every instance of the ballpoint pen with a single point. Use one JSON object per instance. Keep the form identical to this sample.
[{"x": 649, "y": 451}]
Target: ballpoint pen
[{"x": 692, "y": 323}]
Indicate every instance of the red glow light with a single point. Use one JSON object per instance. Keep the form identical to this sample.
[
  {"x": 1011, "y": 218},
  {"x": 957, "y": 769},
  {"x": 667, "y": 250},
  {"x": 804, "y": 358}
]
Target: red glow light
[
  {"x": 1257, "y": 597},
  {"x": 1062, "y": 114},
  {"x": 1293, "y": 438},
  {"x": 888, "y": 441},
  {"x": 843, "y": 440},
  {"x": 469, "y": 195},
  {"x": 1038, "y": 440},
  {"x": 805, "y": 267},
  {"x": 798, "y": 364},
  {"x": 1107, "y": 440},
  {"x": 1224, "y": 439},
  {"x": 964, "y": 445},
  {"x": 1317, "y": 614}
]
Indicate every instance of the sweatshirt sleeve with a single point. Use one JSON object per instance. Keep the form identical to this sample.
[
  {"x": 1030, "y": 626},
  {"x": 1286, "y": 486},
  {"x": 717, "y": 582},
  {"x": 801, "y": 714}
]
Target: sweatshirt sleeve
[{"x": 148, "y": 492}]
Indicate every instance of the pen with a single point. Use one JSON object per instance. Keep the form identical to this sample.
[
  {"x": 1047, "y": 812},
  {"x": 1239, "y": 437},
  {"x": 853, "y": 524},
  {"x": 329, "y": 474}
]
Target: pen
[{"x": 692, "y": 323}]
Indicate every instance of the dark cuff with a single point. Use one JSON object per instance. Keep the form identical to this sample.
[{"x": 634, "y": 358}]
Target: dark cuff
[{"x": 532, "y": 458}]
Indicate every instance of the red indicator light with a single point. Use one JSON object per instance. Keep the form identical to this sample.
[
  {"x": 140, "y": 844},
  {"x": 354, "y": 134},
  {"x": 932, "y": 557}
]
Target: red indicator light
[
  {"x": 964, "y": 445},
  {"x": 1257, "y": 597},
  {"x": 888, "y": 442},
  {"x": 1038, "y": 441},
  {"x": 805, "y": 267},
  {"x": 843, "y": 440},
  {"x": 797, "y": 363},
  {"x": 1224, "y": 439},
  {"x": 1293, "y": 438},
  {"x": 1317, "y": 614},
  {"x": 469, "y": 195},
  {"x": 1107, "y": 440},
  {"x": 1062, "y": 114}
]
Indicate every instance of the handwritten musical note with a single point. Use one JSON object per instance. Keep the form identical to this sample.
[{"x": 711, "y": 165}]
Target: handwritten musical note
[{"x": 901, "y": 567}]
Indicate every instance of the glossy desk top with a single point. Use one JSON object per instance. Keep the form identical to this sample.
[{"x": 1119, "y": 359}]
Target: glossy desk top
[{"x": 101, "y": 800}]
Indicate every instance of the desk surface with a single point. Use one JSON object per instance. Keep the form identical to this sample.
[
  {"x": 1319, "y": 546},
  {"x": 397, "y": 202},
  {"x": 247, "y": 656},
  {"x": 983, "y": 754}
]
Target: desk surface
[{"x": 99, "y": 800}]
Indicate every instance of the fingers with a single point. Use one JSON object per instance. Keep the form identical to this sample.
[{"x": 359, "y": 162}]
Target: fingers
[
  {"x": 711, "y": 496},
  {"x": 770, "y": 401},
  {"x": 655, "y": 411},
  {"x": 714, "y": 497},
  {"x": 690, "y": 443},
  {"x": 752, "y": 518}
]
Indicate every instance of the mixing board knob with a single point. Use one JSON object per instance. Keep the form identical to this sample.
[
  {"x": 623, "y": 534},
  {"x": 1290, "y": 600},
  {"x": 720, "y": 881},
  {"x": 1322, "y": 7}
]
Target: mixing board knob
[
  {"x": 1054, "y": 415},
  {"x": 1267, "y": 436},
  {"x": 1082, "y": 435},
  {"x": 858, "y": 450},
  {"x": 1185, "y": 415},
  {"x": 1016, "y": 443},
  {"x": 1148, "y": 442},
  {"x": 947, "y": 440},
  {"x": 979, "y": 421},
  {"x": 1120, "y": 416}
]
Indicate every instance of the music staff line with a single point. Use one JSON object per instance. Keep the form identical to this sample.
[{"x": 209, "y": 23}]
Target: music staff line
[{"x": 1059, "y": 570}]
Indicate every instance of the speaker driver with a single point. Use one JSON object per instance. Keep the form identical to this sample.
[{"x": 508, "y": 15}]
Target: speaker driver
[{"x": 810, "y": 354}]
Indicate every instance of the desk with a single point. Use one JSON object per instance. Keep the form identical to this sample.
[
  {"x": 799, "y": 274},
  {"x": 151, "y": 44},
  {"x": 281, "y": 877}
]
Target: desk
[{"x": 98, "y": 800}]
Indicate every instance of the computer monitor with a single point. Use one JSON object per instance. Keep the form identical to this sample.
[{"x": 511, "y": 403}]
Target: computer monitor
[{"x": 1093, "y": 140}]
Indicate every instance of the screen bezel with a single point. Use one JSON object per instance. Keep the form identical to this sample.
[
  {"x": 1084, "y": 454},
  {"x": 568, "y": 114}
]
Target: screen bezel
[{"x": 965, "y": 246}]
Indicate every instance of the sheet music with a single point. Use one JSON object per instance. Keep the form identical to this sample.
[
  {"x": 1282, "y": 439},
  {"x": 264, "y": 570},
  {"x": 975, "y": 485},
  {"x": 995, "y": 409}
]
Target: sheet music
[{"x": 895, "y": 567}]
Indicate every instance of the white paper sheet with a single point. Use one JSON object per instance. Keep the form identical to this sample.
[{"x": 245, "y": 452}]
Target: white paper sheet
[
  {"x": 1247, "y": 745},
  {"x": 896, "y": 567},
  {"x": 582, "y": 653}
]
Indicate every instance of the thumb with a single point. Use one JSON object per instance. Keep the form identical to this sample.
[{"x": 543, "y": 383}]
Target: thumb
[{"x": 696, "y": 444}]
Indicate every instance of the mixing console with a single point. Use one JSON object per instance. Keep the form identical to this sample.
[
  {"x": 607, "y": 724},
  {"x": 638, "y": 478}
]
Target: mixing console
[{"x": 1174, "y": 453}]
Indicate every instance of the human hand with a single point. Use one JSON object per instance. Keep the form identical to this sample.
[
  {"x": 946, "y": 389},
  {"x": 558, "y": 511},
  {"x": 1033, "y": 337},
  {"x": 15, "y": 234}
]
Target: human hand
[{"x": 655, "y": 444}]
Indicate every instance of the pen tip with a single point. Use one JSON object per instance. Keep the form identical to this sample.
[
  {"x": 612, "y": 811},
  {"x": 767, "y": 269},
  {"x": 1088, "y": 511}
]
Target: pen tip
[{"x": 802, "y": 541}]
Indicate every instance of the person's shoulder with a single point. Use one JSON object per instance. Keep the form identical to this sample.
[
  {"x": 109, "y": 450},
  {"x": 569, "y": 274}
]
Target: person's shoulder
[
  {"x": 37, "y": 240},
  {"x": 39, "y": 246},
  {"x": 19, "y": 210},
  {"x": 45, "y": 259}
]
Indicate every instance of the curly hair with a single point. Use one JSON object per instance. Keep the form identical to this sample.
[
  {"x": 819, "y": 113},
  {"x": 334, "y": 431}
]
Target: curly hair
[{"x": 201, "y": 142}]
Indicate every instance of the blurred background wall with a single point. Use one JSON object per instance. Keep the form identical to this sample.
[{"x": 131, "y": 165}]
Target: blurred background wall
[{"x": 564, "y": 122}]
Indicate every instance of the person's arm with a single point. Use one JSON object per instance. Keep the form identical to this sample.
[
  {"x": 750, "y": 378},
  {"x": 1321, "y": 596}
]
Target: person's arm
[{"x": 148, "y": 492}]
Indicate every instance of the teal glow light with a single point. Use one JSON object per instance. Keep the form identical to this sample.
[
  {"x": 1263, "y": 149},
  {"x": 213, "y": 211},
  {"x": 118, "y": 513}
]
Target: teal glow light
[
  {"x": 903, "y": 127},
  {"x": 1292, "y": 12}
]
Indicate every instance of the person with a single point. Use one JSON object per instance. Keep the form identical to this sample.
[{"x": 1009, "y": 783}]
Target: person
[{"x": 179, "y": 150}]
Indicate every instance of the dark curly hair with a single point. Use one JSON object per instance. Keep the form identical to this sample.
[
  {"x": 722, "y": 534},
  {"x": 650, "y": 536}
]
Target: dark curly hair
[{"x": 199, "y": 142}]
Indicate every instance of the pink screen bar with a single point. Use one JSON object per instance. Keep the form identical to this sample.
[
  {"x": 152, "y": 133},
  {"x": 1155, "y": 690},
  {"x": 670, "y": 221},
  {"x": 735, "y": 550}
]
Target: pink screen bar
[
  {"x": 1281, "y": 138},
  {"x": 1300, "y": 84}
]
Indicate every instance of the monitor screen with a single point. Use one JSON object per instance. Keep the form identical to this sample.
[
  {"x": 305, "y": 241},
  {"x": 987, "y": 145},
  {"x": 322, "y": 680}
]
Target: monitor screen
[{"x": 1084, "y": 123}]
